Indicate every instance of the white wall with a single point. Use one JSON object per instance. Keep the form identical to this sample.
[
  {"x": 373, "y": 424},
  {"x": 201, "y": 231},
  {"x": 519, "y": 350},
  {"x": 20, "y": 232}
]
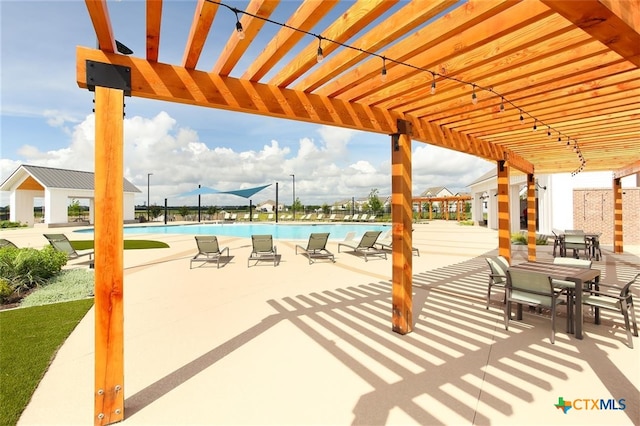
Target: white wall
[{"x": 22, "y": 206}]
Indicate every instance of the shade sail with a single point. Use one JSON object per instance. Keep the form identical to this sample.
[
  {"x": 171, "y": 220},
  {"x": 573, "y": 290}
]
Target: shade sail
[{"x": 245, "y": 193}]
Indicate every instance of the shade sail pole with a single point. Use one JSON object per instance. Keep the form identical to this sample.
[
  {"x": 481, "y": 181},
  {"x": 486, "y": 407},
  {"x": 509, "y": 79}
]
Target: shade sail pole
[
  {"x": 401, "y": 214},
  {"x": 109, "y": 319}
]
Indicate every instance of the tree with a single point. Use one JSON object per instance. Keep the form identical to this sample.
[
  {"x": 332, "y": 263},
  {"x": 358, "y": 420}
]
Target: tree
[
  {"x": 325, "y": 208},
  {"x": 184, "y": 212},
  {"x": 297, "y": 206},
  {"x": 155, "y": 211},
  {"x": 212, "y": 211},
  {"x": 74, "y": 208},
  {"x": 374, "y": 201}
]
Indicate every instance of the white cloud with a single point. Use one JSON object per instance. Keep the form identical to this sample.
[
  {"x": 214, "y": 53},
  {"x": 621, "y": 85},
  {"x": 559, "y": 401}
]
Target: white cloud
[{"x": 179, "y": 161}]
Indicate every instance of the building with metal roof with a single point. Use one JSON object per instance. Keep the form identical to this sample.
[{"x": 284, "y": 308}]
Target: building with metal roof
[{"x": 57, "y": 187}]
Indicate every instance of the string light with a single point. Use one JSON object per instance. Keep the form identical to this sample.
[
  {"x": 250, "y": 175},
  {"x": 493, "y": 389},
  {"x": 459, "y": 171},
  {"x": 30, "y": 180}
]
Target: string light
[
  {"x": 239, "y": 29},
  {"x": 474, "y": 97},
  {"x": 535, "y": 125},
  {"x": 383, "y": 76},
  {"x": 320, "y": 56}
]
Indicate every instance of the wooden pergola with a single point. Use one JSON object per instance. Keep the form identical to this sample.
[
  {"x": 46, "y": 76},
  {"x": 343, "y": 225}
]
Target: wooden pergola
[
  {"x": 455, "y": 200},
  {"x": 543, "y": 74}
]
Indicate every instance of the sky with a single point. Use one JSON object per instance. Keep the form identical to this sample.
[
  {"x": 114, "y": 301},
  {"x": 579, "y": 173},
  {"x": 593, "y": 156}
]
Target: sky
[{"x": 47, "y": 120}]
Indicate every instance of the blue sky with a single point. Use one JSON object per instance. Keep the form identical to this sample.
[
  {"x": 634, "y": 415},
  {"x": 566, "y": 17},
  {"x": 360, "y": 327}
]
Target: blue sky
[{"x": 45, "y": 119}]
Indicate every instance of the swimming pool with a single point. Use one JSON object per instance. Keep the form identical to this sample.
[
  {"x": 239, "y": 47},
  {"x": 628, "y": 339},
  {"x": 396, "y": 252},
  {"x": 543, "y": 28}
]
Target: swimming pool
[{"x": 336, "y": 231}]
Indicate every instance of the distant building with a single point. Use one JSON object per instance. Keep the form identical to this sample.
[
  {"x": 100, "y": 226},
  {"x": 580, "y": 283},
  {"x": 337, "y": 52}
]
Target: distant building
[{"x": 57, "y": 187}]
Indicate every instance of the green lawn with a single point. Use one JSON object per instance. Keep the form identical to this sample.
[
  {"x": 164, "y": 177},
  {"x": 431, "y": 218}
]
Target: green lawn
[
  {"x": 128, "y": 244},
  {"x": 30, "y": 340}
]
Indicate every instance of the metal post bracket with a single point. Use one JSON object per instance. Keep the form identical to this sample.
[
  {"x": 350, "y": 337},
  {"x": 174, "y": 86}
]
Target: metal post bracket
[{"x": 108, "y": 75}]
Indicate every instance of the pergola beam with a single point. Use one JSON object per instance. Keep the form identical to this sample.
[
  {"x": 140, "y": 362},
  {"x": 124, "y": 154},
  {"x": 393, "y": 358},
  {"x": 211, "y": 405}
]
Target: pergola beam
[{"x": 155, "y": 80}]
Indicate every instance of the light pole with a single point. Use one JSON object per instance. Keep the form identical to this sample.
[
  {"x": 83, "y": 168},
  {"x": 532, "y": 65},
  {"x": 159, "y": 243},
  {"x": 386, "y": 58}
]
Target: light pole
[
  {"x": 293, "y": 204},
  {"x": 148, "y": 175}
]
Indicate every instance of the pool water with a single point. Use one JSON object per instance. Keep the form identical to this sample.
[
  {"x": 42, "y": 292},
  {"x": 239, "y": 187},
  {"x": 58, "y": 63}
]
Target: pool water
[{"x": 336, "y": 231}]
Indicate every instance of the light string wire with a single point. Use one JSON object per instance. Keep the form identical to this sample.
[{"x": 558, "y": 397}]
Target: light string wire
[{"x": 385, "y": 59}]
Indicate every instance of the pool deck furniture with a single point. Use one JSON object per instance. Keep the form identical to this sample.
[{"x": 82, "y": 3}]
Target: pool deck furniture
[
  {"x": 316, "y": 247},
  {"x": 61, "y": 243},
  {"x": 366, "y": 246},
  {"x": 263, "y": 250},
  {"x": 208, "y": 250},
  {"x": 579, "y": 276}
]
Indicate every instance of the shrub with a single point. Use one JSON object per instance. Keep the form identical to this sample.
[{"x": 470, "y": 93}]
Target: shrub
[
  {"x": 9, "y": 224},
  {"x": 72, "y": 284},
  {"x": 26, "y": 268},
  {"x": 5, "y": 289}
]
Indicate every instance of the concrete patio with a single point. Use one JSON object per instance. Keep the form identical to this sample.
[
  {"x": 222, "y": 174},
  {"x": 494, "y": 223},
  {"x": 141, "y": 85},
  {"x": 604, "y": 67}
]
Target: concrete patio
[{"x": 308, "y": 344}]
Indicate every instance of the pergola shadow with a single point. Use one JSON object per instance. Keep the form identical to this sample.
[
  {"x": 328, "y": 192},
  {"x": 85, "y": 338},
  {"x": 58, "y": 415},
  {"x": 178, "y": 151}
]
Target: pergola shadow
[{"x": 459, "y": 358}]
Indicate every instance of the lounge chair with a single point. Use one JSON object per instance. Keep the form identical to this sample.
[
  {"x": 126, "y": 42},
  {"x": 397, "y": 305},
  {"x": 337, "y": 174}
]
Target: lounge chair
[
  {"x": 347, "y": 218},
  {"x": 7, "y": 243},
  {"x": 208, "y": 250},
  {"x": 263, "y": 249},
  {"x": 354, "y": 218},
  {"x": 386, "y": 241},
  {"x": 366, "y": 245},
  {"x": 372, "y": 218},
  {"x": 246, "y": 216},
  {"x": 332, "y": 217},
  {"x": 270, "y": 216},
  {"x": 61, "y": 243},
  {"x": 316, "y": 247},
  {"x": 320, "y": 216}
]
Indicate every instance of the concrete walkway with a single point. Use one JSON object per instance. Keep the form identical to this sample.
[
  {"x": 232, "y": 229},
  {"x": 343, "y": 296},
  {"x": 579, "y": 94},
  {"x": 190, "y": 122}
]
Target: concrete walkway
[{"x": 304, "y": 344}]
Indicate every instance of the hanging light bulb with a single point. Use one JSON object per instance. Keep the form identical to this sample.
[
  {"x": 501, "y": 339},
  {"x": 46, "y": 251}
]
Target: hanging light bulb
[
  {"x": 559, "y": 138},
  {"x": 383, "y": 76},
  {"x": 549, "y": 131},
  {"x": 502, "y": 105},
  {"x": 433, "y": 84},
  {"x": 320, "y": 56},
  {"x": 535, "y": 125},
  {"x": 521, "y": 117},
  {"x": 239, "y": 29},
  {"x": 568, "y": 141},
  {"x": 474, "y": 97}
]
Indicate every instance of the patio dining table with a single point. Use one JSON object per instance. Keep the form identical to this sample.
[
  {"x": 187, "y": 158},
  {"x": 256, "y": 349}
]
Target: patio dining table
[{"x": 579, "y": 276}]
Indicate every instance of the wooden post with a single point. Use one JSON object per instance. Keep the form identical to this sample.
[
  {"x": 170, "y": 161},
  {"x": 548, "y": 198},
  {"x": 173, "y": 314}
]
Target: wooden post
[
  {"x": 109, "y": 319},
  {"x": 617, "y": 215},
  {"x": 504, "y": 221},
  {"x": 401, "y": 213},
  {"x": 531, "y": 217}
]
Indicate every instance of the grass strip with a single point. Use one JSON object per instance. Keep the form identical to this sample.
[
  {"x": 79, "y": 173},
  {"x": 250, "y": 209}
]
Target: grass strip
[
  {"x": 128, "y": 244},
  {"x": 30, "y": 339}
]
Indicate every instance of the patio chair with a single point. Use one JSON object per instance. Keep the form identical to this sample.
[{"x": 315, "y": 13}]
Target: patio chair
[
  {"x": 316, "y": 247},
  {"x": 263, "y": 249},
  {"x": 366, "y": 246},
  {"x": 532, "y": 289},
  {"x": 7, "y": 243},
  {"x": 61, "y": 243},
  {"x": 621, "y": 302},
  {"x": 498, "y": 266},
  {"x": 558, "y": 242},
  {"x": 208, "y": 250},
  {"x": 576, "y": 241}
]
